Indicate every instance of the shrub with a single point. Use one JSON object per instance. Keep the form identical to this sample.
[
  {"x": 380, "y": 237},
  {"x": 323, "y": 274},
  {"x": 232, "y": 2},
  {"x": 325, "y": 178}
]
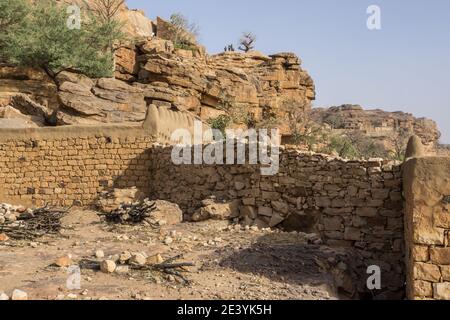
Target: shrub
[
  {"x": 41, "y": 38},
  {"x": 220, "y": 123}
]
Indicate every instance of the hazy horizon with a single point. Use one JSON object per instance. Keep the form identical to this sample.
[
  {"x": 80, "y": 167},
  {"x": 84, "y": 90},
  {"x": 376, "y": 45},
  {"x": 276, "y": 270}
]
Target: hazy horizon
[{"x": 402, "y": 67}]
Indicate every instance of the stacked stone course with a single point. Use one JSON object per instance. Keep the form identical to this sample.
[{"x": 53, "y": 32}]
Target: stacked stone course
[
  {"x": 351, "y": 204},
  {"x": 356, "y": 206},
  {"x": 62, "y": 166},
  {"x": 427, "y": 224}
]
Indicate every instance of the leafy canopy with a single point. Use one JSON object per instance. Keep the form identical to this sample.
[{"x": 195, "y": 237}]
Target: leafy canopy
[{"x": 39, "y": 36}]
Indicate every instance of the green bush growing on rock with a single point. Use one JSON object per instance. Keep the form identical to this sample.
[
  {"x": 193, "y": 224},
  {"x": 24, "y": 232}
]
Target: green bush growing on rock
[
  {"x": 220, "y": 123},
  {"x": 39, "y": 36}
]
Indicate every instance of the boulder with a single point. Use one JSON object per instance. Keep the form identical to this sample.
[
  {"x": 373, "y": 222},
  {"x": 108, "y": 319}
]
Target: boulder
[
  {"x": 166, "y": 213},
  {"x": 217, "y": 211}
]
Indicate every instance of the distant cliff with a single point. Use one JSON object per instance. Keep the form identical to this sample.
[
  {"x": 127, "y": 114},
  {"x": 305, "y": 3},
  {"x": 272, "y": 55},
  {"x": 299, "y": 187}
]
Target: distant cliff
[{"x": 384, "y": 127}]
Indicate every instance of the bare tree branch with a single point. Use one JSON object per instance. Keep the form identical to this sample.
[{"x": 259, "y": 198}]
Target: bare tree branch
[{"x": 247, "y": 42}]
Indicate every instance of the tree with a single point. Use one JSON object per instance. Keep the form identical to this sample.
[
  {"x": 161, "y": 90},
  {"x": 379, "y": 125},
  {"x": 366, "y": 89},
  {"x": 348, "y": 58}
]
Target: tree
[
  {"x": 105, "y": 9},
  {"x": 399, "y": 143},
  {"x": 247, "y": 42},
  {"x": 42, "y": 39},
  {"x": 11, "y": 13},
  {"x": 184, "y": 33}
]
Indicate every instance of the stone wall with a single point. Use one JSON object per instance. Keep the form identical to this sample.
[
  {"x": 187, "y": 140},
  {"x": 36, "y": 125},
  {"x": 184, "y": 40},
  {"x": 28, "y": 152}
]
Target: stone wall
[
  {"x": 427, "y": 225},
  {"x": 71, "y": 165},
  {"x": 355, "y": 205}
]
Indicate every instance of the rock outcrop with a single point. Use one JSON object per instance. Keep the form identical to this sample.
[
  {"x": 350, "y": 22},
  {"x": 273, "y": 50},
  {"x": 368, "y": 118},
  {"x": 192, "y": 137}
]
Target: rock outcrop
[
  {"x": 378, "y": 124},
  {"x": 153, "y": 70},
  {"x": 135, "y": 22}
]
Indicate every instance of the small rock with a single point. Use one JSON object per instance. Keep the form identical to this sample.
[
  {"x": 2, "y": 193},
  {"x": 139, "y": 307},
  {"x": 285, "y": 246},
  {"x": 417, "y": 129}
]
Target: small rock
[
  {"x": 122, "y": 269},
  {"x": 10, "y": 217},
  {"x": 3, "y": 237},
  {"x": 3, "y": 296},
  {"x": 171, "y": 278},
  {"x": 64, "y": 261},
  {"x": 19, "y": 295},
  {"x": 72, "y": 296},
  {"x": 168, "y": 241},
  {"x": 33, "y": 244},
  {"x": 156, "y": 259},
  {"x": 2, "y": 220},
  {"x": 138, "y": 259},
  {"x": 84, "y": 292},
  {"x": 108, "y": 266},
  {"x": 173, "y": 233},
  {"x": 124, "y": 257},
  {"x": 99, "y": 254}
]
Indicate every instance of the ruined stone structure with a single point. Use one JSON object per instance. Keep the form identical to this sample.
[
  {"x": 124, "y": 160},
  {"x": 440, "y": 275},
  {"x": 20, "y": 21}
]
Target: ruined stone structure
[
  {"x": 427, "y": 225},
  {"x": 353, "y": 205}
]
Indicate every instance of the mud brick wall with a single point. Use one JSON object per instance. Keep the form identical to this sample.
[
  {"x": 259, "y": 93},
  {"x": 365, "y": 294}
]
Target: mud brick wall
[
  {"x": 352, "y": 204},
  {"x": 71, "y": 165},
  {"x": 427, "y": 226}
]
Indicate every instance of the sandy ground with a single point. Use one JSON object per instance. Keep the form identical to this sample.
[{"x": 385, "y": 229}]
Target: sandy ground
[{"x": 229, "y": 263}]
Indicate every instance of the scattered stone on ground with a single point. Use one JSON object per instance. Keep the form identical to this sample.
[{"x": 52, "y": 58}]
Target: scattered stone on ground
[
  {"x": 232, "y": 265},
  {"x": 19, "y": 295}
]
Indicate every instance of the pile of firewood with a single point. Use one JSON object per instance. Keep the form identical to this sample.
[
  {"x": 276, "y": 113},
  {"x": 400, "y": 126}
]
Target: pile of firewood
[
  {"x": 37, "y": 223},
  {"x": 131, "y": 213}
]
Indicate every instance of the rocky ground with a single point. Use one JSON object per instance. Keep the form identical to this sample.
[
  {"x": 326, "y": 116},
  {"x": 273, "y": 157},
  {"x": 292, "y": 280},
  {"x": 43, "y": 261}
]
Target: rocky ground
[{"x": 230, "y": 262}]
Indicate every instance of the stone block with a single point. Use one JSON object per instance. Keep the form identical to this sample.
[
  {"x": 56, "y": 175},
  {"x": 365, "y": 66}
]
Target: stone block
[
  {"x": 441, "y": 291},
  {"x": 440, "y": 255},
  {"x": 426, "y": 272}
]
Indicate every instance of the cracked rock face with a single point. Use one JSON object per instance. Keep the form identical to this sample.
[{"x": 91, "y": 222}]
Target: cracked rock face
[{"x": 251, "y": 87}]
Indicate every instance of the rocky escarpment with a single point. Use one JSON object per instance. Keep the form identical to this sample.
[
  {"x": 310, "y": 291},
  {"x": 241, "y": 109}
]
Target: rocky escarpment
[
  {"x": 154, "y": 71},
  {"x": 384, "y": 127}
]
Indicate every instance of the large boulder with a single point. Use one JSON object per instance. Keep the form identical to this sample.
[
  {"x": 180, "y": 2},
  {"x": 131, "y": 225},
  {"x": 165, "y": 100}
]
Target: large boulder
[
  {"x": 84, "y": 101},
  {"x": 217, "y": 210}
]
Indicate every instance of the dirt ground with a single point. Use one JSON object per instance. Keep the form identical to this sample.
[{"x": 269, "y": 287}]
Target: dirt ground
[{"x": 230, "y": 262}]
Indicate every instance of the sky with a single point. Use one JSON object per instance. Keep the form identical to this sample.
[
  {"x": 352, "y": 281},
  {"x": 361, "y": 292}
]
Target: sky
[{"x": 405, "y": 66}]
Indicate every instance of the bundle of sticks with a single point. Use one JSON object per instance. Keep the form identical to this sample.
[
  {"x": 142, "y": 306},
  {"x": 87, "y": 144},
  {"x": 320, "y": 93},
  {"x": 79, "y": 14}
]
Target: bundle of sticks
[
  {"x": 170, "y": 267},
  {"x": 131, "y": 213},
  {"x": 40, "y": 222}
]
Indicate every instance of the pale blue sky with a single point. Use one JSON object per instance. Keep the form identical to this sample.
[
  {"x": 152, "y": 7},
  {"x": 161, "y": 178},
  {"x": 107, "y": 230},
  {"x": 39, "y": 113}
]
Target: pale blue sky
[{"x": 403, "y": 67}]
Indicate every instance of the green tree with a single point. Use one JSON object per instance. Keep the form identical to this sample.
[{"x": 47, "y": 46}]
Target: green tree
[
  {"x": 41, "y": 38},
  {"x": 11, "y": 13}
]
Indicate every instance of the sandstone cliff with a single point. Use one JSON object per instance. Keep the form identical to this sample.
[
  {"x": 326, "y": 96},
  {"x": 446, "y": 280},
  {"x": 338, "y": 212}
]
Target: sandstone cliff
[
  {"x": 380, "y": 125},
  {"x": 250, "y": 87}
]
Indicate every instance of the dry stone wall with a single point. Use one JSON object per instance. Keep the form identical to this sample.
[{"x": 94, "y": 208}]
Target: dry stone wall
[
  {"x": 356, "y": 205},
  {"x": 71, "y": 165},
  {"x": 427, "y": 224}
]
